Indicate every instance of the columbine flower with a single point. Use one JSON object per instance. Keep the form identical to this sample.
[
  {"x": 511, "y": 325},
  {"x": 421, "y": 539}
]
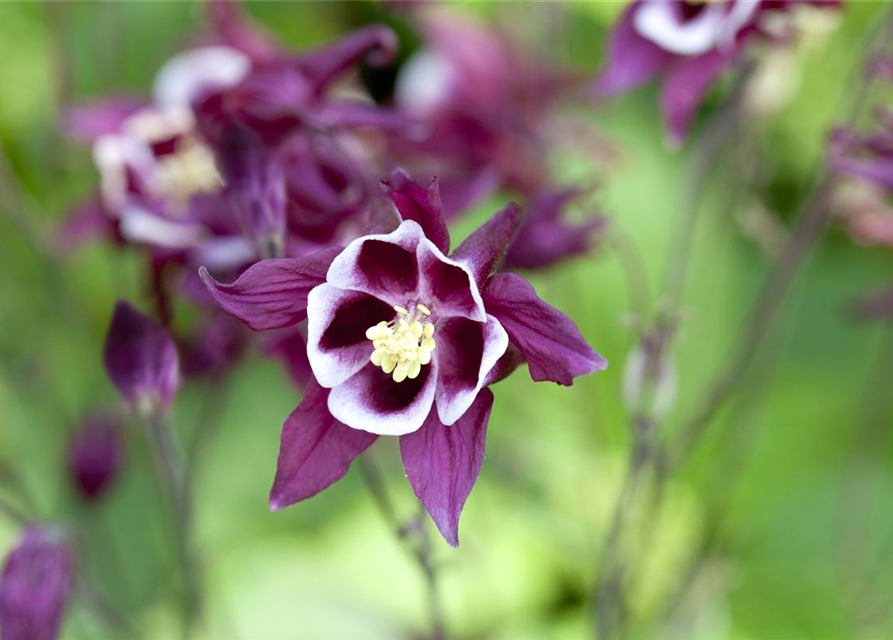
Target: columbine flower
[
  {"x": 689, "y": 44},
  {"x": 94, "y": 455},
  {"x": 141, "y": 360},
  {"x": 35, "y": 586},
  {"x": 403, "y": 340}
]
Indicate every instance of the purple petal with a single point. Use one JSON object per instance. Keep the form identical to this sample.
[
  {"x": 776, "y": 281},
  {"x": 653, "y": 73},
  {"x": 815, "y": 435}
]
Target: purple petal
[
  {"x": 631, "y": 59},
  {"x": 686, "y": 83},
  {"x": 550, "y": 341},
  {"x": 377, "y": 44},
  {"x": 466, "y": 353},
  {"x": 89, "y": 122},
  {"x": 384, "y": 266},
  {"x": 35, "y": 586},
  {"x": 443, "y": 463},
  {"x": 272, "y": 294},
  {"x": 545, "y": 238},
  {"x": 420, "y": 204},
  {"x": 315, "y": 450},
  {"x": 484, "y": 248},
  {"x": 360, "y": 114},
  {"x": 337, "y": 346},
  {"x": 372, "y": 401},
  {"x": 141, "y": 359},
  {"x": 447, "y": 286}
]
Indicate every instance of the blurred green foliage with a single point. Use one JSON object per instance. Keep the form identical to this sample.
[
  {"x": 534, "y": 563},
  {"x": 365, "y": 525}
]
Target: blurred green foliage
[{"x": 789, "y": 555}]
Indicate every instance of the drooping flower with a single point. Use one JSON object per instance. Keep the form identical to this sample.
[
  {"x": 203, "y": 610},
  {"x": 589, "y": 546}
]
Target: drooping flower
[
  {"x": 404, "y": 338},
  {"x": 689, "y": 45},
  {"x": 141, "y": 360},
  {"x": 94, "y": 455},
  {"x": 35, "y": 586}
]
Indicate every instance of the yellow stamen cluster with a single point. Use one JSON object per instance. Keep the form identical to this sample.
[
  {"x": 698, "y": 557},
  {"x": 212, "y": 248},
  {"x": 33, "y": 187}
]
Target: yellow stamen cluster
[
  {"x": 403, "y": 345},
  {"x": 189, "y": 171}
]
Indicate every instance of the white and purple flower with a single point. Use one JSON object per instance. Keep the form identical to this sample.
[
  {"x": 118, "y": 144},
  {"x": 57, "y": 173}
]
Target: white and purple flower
[
  {"x": 689, "y": 44},
  {"x": 404, "y": 338}
]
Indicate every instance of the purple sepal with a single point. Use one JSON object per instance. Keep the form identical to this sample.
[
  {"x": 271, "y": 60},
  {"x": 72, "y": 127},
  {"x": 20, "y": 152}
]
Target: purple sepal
[
  {"x": 632, "y": 60},
  {"x": 546, "y": 238},
  {"x": 315, "y": 450},
  {"x": 141, "y": 360},
  {"x": 686, "y": 83},
  {"x": 421, "y": 204},
  {"x": 35, "y": 586},
  {"x": 375, "y": 44},
  {"x": 483, "y": 250},
  {"x": 550, "y": 341},
  {"x": 442, "y": 463},
  {"x": 94, "y": 455},
  {"x": 272, "y": 294}
]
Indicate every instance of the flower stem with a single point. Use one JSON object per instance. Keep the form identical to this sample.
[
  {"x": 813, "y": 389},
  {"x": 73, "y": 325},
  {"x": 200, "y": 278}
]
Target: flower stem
[
  {"x": 607, "y": 601},
  {"x": 173, "y": 478},
  {"x": 414, "y": 537}
]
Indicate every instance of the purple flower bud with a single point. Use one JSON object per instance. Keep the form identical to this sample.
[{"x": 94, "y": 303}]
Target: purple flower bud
[
  {"x": 35, "y": 586},
  {"x": 141, "y": 360},
  {"x": 94, "y": 455}
]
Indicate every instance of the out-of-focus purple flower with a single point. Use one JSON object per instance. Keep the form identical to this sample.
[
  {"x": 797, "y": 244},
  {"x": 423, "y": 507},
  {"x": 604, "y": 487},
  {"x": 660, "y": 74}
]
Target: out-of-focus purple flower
[
  {"x": 689, "y": 45},
  {"x": 141, "y": 360},
  {"x": 487, "y": 105},
  {"x": 547, "y": 236},
  {"x": 403, "y": 340},
  {"x": 94, "y": 455},
  {"x": 35, "y": 586}
]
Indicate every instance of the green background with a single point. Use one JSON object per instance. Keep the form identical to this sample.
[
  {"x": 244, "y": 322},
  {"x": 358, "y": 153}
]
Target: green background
[{"x": 792, "y": 485}]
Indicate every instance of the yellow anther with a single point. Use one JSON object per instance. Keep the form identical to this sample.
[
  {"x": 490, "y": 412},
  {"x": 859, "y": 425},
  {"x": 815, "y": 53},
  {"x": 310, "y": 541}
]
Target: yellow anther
[
  {"x": 423, "y": 309},
  {"x": 404, "y": 345}
]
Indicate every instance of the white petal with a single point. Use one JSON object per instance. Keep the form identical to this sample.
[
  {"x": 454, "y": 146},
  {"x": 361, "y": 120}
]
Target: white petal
[{"x": 183, "y": 76}]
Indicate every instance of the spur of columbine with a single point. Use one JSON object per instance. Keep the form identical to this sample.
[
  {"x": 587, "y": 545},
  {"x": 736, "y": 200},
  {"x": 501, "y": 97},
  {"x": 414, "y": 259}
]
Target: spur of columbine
[{"x": 403, "y": 340}]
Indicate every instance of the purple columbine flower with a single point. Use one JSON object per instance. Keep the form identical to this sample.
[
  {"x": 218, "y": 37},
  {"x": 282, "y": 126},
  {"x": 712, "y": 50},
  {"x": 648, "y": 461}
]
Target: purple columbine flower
[
  {"x": 141, "y": 360},
  {"x": 35, "y": 586},
  {"x": 404, "y": 338},
  {"x": 94, "y": 455},
  {"x": 689, "y": 45}
]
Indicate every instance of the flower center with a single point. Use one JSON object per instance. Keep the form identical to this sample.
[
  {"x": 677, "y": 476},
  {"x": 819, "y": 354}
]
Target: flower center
[
  {"x": 187, "y": 172},
  {"x": 404, "y": 344}
]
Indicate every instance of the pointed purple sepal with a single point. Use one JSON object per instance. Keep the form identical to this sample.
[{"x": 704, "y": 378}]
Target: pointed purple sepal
[
  {"x": 443, "y": 463},
  {"x": 550, "y": 341},
  {"x": 315, "y": 450},
  {"x": 483, "y": 250},
  {"x": 272, "y": 294},
  {"x": 420, "y": 204}
]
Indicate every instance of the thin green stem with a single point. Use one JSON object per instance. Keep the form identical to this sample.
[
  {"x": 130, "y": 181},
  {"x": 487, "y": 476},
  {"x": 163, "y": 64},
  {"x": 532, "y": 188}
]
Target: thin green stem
[{"x": 413, "y": 535}]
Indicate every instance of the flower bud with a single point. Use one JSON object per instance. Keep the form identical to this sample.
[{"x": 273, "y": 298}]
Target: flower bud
[
  {"x": 35, "y": 586},
  {"x": 94, "y": 455},
  {"x": 141, "y": 360}
]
